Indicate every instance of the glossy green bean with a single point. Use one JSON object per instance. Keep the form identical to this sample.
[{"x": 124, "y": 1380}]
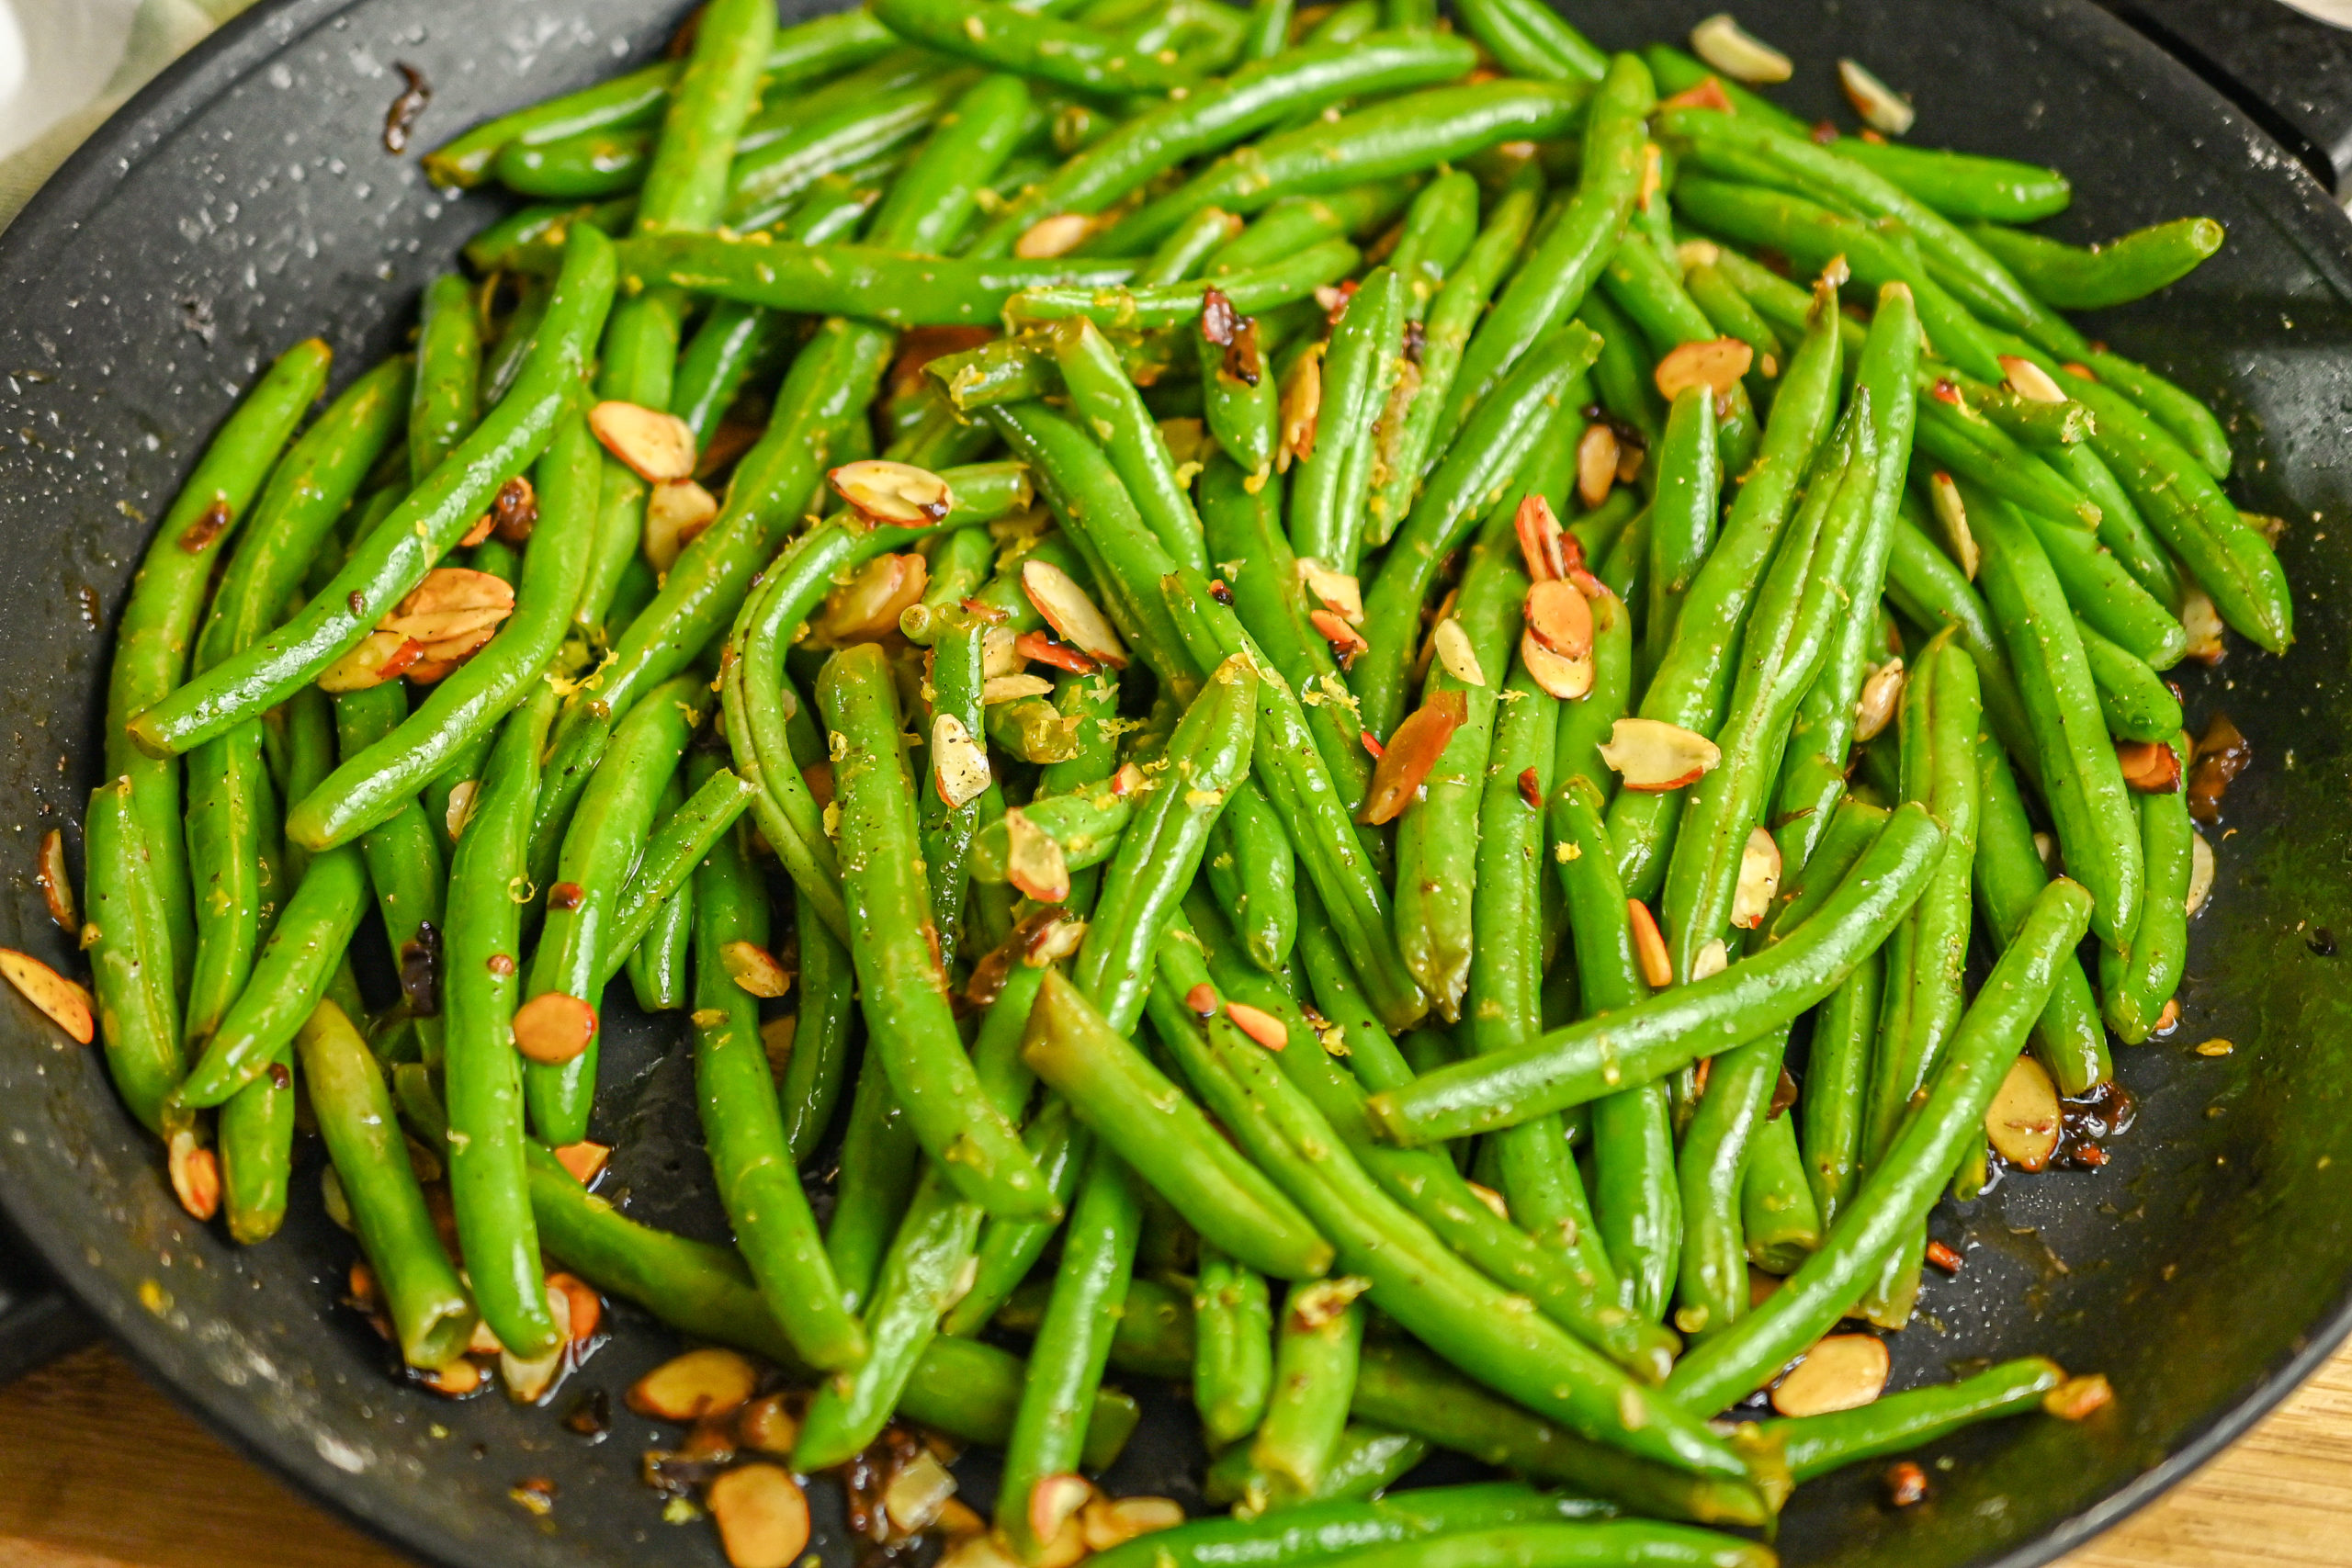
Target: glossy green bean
[
  {"x": 136, "y": 1007},
  {"x": 1254, "y": 871},
  {"x": 1683, "y": 516},
  {"x": 2139, "y": 705},
  {"x": 2009, "y": 874},
  {"x": 1233, "y": 1366},
  {"x": 1318, "y": 1341},
  {"x": 1103, "y": 397},
  {"x": 1837, "y": 1086},
  {"x": 2137, "y": 983},
  {"x": 1437, "y": 233},
  {"x": 2072, "y": 278},
  {"x": 1533, "y": 40},
  {"x": 1328, "y": 1531},
  {"x": 1898, "y": 1422},
  {"x": 1252, "y": 293},
  {"x": 446, "y": 404},
  {"x": 1963, "y": 185},
  {"x": 1329, "y": 492},
  {"x": 1009, "y": 37}
]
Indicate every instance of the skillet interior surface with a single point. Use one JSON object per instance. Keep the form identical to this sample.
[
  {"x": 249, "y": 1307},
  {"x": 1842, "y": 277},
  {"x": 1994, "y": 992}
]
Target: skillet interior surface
[{"x": 245, "y": 201}]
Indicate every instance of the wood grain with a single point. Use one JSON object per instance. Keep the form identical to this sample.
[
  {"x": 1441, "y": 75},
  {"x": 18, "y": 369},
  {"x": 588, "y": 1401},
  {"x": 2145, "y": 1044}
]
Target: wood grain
[{"x": 103, "y": 1472}]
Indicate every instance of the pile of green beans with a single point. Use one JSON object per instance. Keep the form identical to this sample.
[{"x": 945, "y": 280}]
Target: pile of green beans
[{"x": 1261, "y": 691}]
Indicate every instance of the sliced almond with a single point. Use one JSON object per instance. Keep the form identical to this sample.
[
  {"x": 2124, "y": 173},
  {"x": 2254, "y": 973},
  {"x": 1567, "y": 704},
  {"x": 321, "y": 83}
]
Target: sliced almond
[
  {"x": 755, "y": 969},
  {"x": 1302, "y": 408},
  {"x": 374, "y": 660},
  {"x": 1346, "y": 642},
  {"x": 1014, "y": 688},
  {"x": 584, "y": 1159},
  {"x": 1706, "y": 93},
  {"x": 1494, "y": 1201},
  {"x": 435, "y": 661},
  {"x": 1000, "y": 652},
  {"x": 1410, "y": 754},
  {"x": 762, "y": 1515},
  {"x": 1844, "y": 1371},
  {"x": 1712, "y": 959},
  {"x": 675, "y": 515},
  {"x": 1114, "y": 1521},
  {"x": 456, "y": 1381},
  {"x": 1258, "y": 1024},
  {"x": 896, "y": 493},
  {"x": 770, "y": 1424},
  {"x": 1033, "y": 860},
  {"x": 2200, "y": 872},
  {"x": 1338, "y": 592},
  {"x": 1881, "y": 694},
  {"x": 583, "y": 1308},
  {"x": 1543, "y": 544},
  {"x": 1043, "y": 648},
  {"x": 983, "y": 1549},
  {"x": 959, "y": 768},
  {"x": 2029, "y": 381},
  {"x": 2199, "y": 619},
  {"x": 67, "y": 1004},
  {"x": 1453, "y": 651},
  {"x": 2151, "y": 767},
  {"x": 655, "y": 446},
  {"x": 1649, "y": 945},
  {"x": 528, "y": 1380},
  {"x": 1716, "y": 363},
  {"x": 1952, "y": 516},
  {"x": 868, "y": 606},
  {"x": 1596, "y": 464},
  {"x": 1054, "y": 1503},
  {"x": 1653, "y": 756},
  {"x": 1074, "y": 616},
  {"x": 2078, "y": 1397},
  {"x": 1737, "y": 53},
  {"x": 1880, "y": 105},
  {"x": 710, "y": 1381},
  {"x": 196, "y": 1175},
  {"x": 2022, "y": 1122},
  {"x": 460, "y": 806},
  {"x": 56, "y": 887},
  {"x": 1055, "y": 236},
  {"x": 451, "y": 602},
  {"x": 1567, "y": 679},
  {"x": 1759, "y": 879},
  {"x": 1560, "y": 617},
  {"x": 553, "y": 1028},
  {"x": 918, "y": 1490}
]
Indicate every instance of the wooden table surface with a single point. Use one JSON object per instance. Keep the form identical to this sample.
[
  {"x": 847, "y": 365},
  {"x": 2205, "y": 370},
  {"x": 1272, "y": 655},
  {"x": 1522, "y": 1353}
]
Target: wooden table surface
[{"x": 100, "y": 1471}]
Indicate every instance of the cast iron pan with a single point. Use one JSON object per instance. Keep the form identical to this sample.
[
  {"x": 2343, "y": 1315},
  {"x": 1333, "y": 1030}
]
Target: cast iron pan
[{"x": 245, "y": 201}]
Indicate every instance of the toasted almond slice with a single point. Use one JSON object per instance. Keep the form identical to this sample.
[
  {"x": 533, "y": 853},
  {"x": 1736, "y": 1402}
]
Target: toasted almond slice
[
  {"x": 1114, "y": 1521},
  {"x": 484, "y": 525},
  {"x": 1074, "y": 616},
  {"x": 898, "y": 493},
  {"x": 553, "y": 1028},
  {"x": 1881, "y": 694},
  {"x": 528, "y": 1380},
  {"x": 762, "y": 1515},
  {"x": 1000, "y": 653},
  {"x": 196, "y": 1174},
  {"x": 1540, "y": 540},
  {"x": 1712, "y": 959},
  {"x": 1014, "y": 688},
  {"x": 460, "y": 807},
  {"x": 755, "y": 969},
  {"x": 456, "y": 1381},
  {"x": 1491, "y": 1199},
  {"x": 1560, "y": 617},
  {"x": 1258, "y": 1024},
  {"x": 983, "y": 1549},
  {"x": 1630, "y": 454},
  {"x": 2029, "y": 381},
  {"x": 1567, "y": 679},
  {"x": 1649, "y": 944},
  {"x": 2022, "y": 1122},
  {"x": 868, "y": 606},
  {"x": 584, "y": 1159},
  {"x": 1410, "y": 754},
  {"x": 1651, "y": 755},
  {"x": 1698, "y": 253},
  {"x": 1345, "y": 641},
  {"x": 959, "y": 768},
  {"x": 1952, "y": 516},
  {"x": 2078, "y": 1397},
  {"x": 583, "y": 1308},
  {"x": 1737, "y": 53},
  {"x": 1706, "y": 93},
  {"x": 1716, "y": 363},
  {"x": 436, "y": 659},
  {"x": 449, "y": 592},
  {"x": 1055, "y": 236},
  {"x": 675, "y": 515},
  {"x": 1844, "y": 1371},
  {"x": 1453, "y": 651},
  {"x": 1759, "y": 879},
  {"x": 1880, "y": 105},
  {"x": 373, "y": 660},
  {"x": 67, "y": 1004},
  {"x": 1339, "y": 592},
  {"x": 1055, "y": 1501},
  {"x": 2203, "y": 624},
  {"x": 770, "y": 1424},
  {"x": 706, "y": 1383},
  {"x": 1042, "y": 648},
  {"x": 1596, "y": 464},
  {"x": 2151, "y": 767},
  {"x": 1302, "y": 408},
  {"x": 2200, "y": 872},
  {"x": 655, "y": 446},
  {"x": 1033, "y": 860},
  {"x": 1202, "y": 999},
  {"x": 56, "y": 887},
  {"x": 918, "y": 1490}
]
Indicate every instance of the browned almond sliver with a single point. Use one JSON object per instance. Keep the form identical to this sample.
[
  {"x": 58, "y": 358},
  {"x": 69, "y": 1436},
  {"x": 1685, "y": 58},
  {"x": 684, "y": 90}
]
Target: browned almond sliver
[
  {"x": 1844, "y": 1371},
  {"x": 1345, "y": 641},
  {"x": 896, "y": 493},
  {"x": 2149, "y": 767},
  {"x": 1455, "y": 652},
  {"x": 2028, "y": 379},
  {"x": 761, "y": 1513},
  {"x": 1054, "y": 1503},
  {"x": 1404, "y": 763},
  {"x": 755, "y": 969},
  {"x": 999, "y": 689},
  {"x": 1560, "y": 617},
  {"x": 699, "y": 1383},
  {"x": 1567, "y": 679},
  {"x": 959, "y": 768},
  {"x": 585, "y": 1309},
  {"x": 1302, "y": 408},
  {"x": 1258, "y": 1024},
  {"x": 1952, "y": 516},
  {"x": 1760, "y": 878},
  {"x": 2078, "y": 1397},
  {"x": 1540, "y": 539},
  {"x": 868, "y": 606},
  {"x": 584, "y": 1160},
  {"x": 1596, "y": 464},
  {"x": 1651, "y": 755},
  {"x": 374, "y": 660},
  {"x": 1034, "y": 860},
  {"x": 2022, "y": 1122},
  {"x": 1716, "y": 363},
  {"x": 1723, "y": 43},
  {"x": 1114, "y": 1521},
  {"x": 56, "y": 887},
  {"x": 436, "y": 659},
  {"x": 1055, "y": 236},
  {"x": 1042, "y": 648},
  {"x": 657, "y": 446},
  {"x": 1881, "y": 694},
  {"x": 67, "y": 1004},
  {"x": 196, "y": 1175},
  {"x": 1649, "y": 944},
  {"x": 675, "y": 515},
  {"x": 1072, "y": 614},
  {"x": 1338, "y": 592},
  {"x": 552, "y": 1028},
  {"x": 451, "y": 602},
  {"x": 1880, "y": 105}
]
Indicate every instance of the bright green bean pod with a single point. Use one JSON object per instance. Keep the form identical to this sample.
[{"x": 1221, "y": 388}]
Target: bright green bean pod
[
  {"x": 1008, "y": 1249},
  {"x": 1254, "y": 871},
  {"x": 1587, "y": 722},
  {"x": 1963, "y": 185},
  {"x": 947, "y": 826},
  {"x": 1251, "y": 293},
  {"x": 1233, "y": 1357},
  {"x": 2074, "y": 279},
  {"x": 1837, "y": 1086},
  {"x": 1438, "y": 232},
  {"x": 1317, "y": 1344},
  {"x": 1924, "y": 584},
  {"x": 1328, "y": 495},
  {"x": 446, "y": 405},
  {"x": 2120, "y": 526},
  {"x": 1647, "y": 285},
  {"x": 138, "y": 1012},
  {"x": 1777, "y": 1217},
  {"x": 1186, "y": 251},
  {"x": 877, "y": 1170},
  {"x": 1900, "y": 1423},
  {"x": 1711, "y": 1289},
  {"x": 1683, "y": 516},
  {"x": 2110, "y": 597},
  {"x": 844, "y": 134},
  {"x": 1894, "y": 1201},
  {"x": 2138, "y": 982},
  {"x": 255, "y": 1138},
  {"x": 1296, "y": 221},
  {"x": 2139, "y": 705},
  {"x": 2181, "y": 413},
  {"x": 1008, "y": 38},
  {"x": 2068, "y": 1036},
  {"x": 1101, "y": 396},
  {"x": 1574, "y": 1546},
  {"x": 1980, "y": 451},
  {"x": 1316, "y": 1531},
  {"x": 1730, "y": 315}
]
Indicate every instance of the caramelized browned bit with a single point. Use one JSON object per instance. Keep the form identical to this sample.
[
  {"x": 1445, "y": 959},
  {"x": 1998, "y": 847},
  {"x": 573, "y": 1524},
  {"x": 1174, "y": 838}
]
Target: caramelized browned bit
[
  {"x": 1531, "y": 789},
  {"x": 1202, "y": 999},
  {"x": 1906, "y": 1483},
  {"x": 421, "y": 971},
  {"x": 1219, "y": 591},
  {"x": 1784, "y": 1094},
  {"x": 1416, "y": 339},
  {"x": 515, "y": 511},
  {"x": 56, "y": 887},
  {"x": 401, "y": 117},
  {"x": 500, "y": 964},
  {"x": 2151, "y": 767},
  {"x": 1220, "y": 320},
  {"x": 1943, "y": 1257},
  {"x": 565, "y": 896},
  {"x": 1411, "y": 752},
  {"x": 2222, "y": 755},
  {"x": 591, "y": 1415},
  {"x": 1244, "y": 361},
  {"x": 198, "y": 536},
  {"x": 281, "y": 1076}
]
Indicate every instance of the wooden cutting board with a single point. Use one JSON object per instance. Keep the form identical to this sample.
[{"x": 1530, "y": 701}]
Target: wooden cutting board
[{"x": 100, "y": 1471}]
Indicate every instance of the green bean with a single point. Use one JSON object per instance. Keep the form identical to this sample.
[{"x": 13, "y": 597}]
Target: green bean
[
  {"x": 1326, "y": 500},
  {"x": 1711, "y": 1283},
  {"x": 1678, "y": 72},
  {"x": 2110, "y": 597},
  {"x": 1965, "y": 186},
  {"x": 255, "y": 1138},
  {"x": 1072, "y": 1346},
  {"x": 1837, "y": 1086},
  {"x": 394, "y": 559},
  {"x": 2137, "y": 702},
  {"x": 1254, "y": 871},
  {"x": 1216, "y": 114},
  {"x": 1898, "y": 1422},
  {"x": 1325, "y": 1531},
  {"x": 1489, "y": 450},
  {"x": 422, "y": 1295},
  {"x": 658, "y": 973},
  {"x": 1558, "y": 272},
  {"x": 1249, "y": 293},
  {"x": 1574, "y": 1546},
  {"x": 1402, "y": 1386},
  {"x": 1233, "y": 1358},
  {"x": 1455, "y": 311},
  {"x": 1531, "y": 40},
  {"x": 2180, "y": 414},
  {"x": 840, "y": 134},
  {"x": 1980, "y": 451},
  {"x": 1296, "y": 221},
  {"x": 1189, "y": 246},
  {"x": 1590, "y": 720},
  {"x": 1006, "y": 38},
  {"x": 2133, "y": 267},
  {"x": 1730, "y": 315},
  {"x": 868, "y": 280},
  {"x": 1894, "y": 1202},
  {"x": 2009, "y": 874},
  {"x": 448, "y": 374},
  {"x": 138, "y": 1013},
  {"x": 2138, "y": 982},
  {"x": 2120, "y": 526},
  {"x": 1317, "y": 1344},
  {"x": 1438, "y": 232},
  {"x": 1101, "y": 396},
  {"x": 1270, "y": 25},
  {"x": 1009, "y": 1249},
  {"x": 1777, "y": 1217},
  {"x": 1682, "y": 515},
  {"x": 1365, "y": 1461},
  {"x": 877, "y": 1171},
  {"x": 1647, "y": 285},
  {"x": 1923, "y": 583}
]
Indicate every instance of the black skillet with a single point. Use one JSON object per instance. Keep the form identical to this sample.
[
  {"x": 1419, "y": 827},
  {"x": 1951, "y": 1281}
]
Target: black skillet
[{"x": 245, "y": 201}]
